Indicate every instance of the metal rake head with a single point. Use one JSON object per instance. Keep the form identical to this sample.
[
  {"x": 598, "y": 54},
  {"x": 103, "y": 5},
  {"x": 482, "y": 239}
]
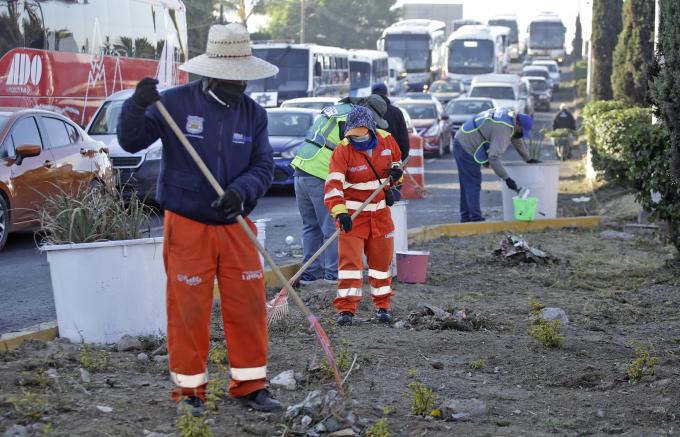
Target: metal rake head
[{"x": 277, "y": 308}]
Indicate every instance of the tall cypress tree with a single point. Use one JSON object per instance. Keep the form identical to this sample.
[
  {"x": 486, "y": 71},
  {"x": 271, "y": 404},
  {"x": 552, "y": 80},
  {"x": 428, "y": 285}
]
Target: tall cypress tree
[
  {"x": 634, "y": 53},
  {"x": 606, "y": 28},
  {"x": 665, "y": 85},
  {"x": 577, "y": 43}
]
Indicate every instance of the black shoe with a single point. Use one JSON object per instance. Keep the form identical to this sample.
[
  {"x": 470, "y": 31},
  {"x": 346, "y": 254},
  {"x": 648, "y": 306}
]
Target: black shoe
[
  {"x": 191, "y": 405},
  {"x": 383, "y": 316},
  {"x": 345, "y": 318},
  {"x": 260, "y": 400}
]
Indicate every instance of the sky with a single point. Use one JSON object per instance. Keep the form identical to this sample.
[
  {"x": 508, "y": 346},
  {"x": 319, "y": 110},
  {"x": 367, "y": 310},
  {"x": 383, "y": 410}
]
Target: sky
[{"x": 524, "y": 9}]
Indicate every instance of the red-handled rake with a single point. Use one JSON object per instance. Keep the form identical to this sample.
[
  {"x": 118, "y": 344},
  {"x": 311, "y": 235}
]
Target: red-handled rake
[
  {"x": 314, "y": 324},
  {"x": 277, "y": 308}
]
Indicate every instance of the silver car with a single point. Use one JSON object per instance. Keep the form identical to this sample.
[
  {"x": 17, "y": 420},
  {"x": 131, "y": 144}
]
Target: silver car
[{"x": 462, "y": 109}]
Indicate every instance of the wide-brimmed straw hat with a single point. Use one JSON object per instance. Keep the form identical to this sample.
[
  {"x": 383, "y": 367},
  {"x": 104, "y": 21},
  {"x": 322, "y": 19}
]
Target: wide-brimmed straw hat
[{"x": 228, "y": 56}]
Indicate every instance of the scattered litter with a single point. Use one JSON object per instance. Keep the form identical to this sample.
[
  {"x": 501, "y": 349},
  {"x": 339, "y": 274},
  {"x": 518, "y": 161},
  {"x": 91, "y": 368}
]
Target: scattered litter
[
  {"x": 306, "y": 421},
  {"x": 515, "y": 248},
  {"x": 290, "y": 240},
  {"x": 582, "y": 199},
  {"x": 285, "y": 380},
  {"x": 549, "y": 314},
  {"x": 616, "y": 235},
  {"x": 142, "y": 357},
  {"x": 104, "y": 408},
  {"x": 468, "y": 407},
  {"x": 128, "y": 343},
  {"x": 161, "y": 358},
  {"x": 85, "y": 376},
  {"x": 435, "y": 318}
]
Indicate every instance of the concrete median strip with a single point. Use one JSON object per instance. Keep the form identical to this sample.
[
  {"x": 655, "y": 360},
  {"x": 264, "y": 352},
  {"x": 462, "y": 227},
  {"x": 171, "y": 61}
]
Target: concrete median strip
[{"x": 48, "y": 331}]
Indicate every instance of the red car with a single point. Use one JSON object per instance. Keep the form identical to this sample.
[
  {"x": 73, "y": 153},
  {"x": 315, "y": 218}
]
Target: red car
[
  {"x": 41, "y": 153},
  {"x": 431, "y": 122}
]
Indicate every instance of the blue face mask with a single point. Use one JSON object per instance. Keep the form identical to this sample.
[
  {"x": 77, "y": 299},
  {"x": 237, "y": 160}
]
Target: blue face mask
[{"x": 365, "y": 142}]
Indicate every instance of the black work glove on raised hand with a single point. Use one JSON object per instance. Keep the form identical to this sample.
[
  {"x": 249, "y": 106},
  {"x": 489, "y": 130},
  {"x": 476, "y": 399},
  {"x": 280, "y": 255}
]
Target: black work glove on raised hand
[
  {"x": 389, "y": 197},
  {"x": 146, "y": 92},
  {"x": 534, "y": 161},
  {"x": 345, "y": 221},
  {"x": 395, "y": 173},
  {"x": 230, "y": 203},
  {"x": 511, "y": 184}
]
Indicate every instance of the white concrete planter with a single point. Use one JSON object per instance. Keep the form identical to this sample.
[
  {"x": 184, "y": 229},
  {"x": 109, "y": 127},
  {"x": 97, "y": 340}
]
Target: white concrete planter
[
  {"x": 105, "y": 290},
  {"x": 542, "y": 180}
]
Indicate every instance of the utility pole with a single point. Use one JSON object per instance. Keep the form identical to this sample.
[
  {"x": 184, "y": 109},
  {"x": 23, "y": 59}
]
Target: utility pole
[
  {"x": 302, "y": 21},
  {"x": 221, "y": 13}
]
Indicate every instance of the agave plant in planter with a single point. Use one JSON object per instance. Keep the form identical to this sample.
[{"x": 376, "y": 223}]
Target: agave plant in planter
[
  {"x": 108, "y": 278},
  {"x": 542, "y": 180}
]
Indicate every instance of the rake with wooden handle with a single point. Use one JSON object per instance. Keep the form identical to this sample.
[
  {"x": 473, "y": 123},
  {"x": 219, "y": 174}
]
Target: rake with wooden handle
[
  {"x": 277, "y": 308},
  {"x": 314, "y": 324}
]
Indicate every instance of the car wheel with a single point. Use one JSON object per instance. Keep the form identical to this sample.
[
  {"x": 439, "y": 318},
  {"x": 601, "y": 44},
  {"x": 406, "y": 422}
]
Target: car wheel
[
  {"x": 440, "y": 151},
  {"x": 4, "y": 221}
]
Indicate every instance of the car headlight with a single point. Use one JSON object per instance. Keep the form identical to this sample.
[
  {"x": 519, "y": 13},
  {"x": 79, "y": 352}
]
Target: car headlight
[
  {"x": 432, "y": 131},
  {"x": 155, "y": 152},
  {"x": 290, "y": 153}
]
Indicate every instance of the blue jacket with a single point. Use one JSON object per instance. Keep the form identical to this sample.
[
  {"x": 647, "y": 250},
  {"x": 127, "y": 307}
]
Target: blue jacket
[{"x": 233, "y": 142}]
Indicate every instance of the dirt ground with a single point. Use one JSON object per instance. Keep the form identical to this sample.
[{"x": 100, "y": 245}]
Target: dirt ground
[{"x": 620, "y": 297}]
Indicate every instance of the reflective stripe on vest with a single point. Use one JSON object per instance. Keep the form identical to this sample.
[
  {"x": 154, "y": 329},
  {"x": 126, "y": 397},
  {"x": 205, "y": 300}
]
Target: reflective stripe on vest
[{"x": 499, "y": 116}]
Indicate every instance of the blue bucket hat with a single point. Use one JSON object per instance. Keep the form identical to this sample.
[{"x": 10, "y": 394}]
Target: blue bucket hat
[
  {"x": 379, "y": 88},
  {"x": 527, "y": 123},
  {"x": 360, "y": 116}
]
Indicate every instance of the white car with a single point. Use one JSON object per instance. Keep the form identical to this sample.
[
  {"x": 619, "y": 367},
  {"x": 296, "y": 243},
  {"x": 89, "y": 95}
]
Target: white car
[
  {"x": 553, "y": 70},
  {"x": 508, "y": 90},
  {"x": 317, "y": 103}
]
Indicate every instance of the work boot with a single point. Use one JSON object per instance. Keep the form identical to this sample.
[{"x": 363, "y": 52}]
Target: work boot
[
  {"x": 191, "y": 405},
  {"x": 306, "y": 279},
  {"x": 383, "y": 315},
  {"x": 345, "y": 318},
  {"x": 260, "y": 400}
]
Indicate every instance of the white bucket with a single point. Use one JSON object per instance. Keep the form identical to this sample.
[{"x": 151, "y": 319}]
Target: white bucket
[
  {"x": 103, "y": 291},
  {"x": 399, "y": 217},
  {"x": 261, "y": 226},
  {"x": 542, "y": 180}
]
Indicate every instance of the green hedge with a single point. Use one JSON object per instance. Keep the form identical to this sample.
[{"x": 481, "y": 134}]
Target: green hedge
[
  {"x": 580, "y": 69},
  {"x": 629, "y": 150}
]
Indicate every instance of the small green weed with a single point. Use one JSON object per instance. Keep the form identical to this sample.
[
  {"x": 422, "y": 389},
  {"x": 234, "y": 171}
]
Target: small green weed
[
  {"x": 535, "y": 306},
  {"x": 378, "y": 429},
  {"x": 94, "y": 361},
  {"x": 218, "y": 353},
  {"x": 642, "y": 365},
  {"x": 342, "y": 360},
  {"x": 151, "y": 342},
  {"x": 30, "y": 406},
  {"x": 422, "y": 398},
  {"x": 547, "y": 332},
  {"x": 35, "y": 378},
  {"x": 412, "y": 373},
  {"x": 477, "y": 364},
  {"x": 190, "y": 426},
  {"x": 217, "y": 389}
]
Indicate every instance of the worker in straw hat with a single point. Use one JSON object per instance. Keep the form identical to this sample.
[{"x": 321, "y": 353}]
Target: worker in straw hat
[
  {"x": 359, "y": 164},
  {"x": 202, "y": 238}
]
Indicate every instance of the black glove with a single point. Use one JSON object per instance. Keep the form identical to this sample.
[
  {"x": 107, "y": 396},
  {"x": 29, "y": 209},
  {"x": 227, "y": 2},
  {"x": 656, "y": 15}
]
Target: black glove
[
  {"x": 511, "y": 184},
  {"x": 395, "y": 173},
  {"x": 345, "y": 221},
  {"x": 230, "y": 203},
  {"x": 389, "y": 197},
  {"x": 146, "y": 92},
  {"x": 534, "y": 161}
]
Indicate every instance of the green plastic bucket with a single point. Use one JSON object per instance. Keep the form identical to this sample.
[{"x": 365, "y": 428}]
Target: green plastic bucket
[{"x": 525, "y": 209}]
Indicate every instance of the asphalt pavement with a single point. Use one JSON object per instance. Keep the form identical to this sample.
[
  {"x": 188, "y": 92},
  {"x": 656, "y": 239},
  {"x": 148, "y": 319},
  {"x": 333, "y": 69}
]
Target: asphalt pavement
[{"x": 26, "y": 289}]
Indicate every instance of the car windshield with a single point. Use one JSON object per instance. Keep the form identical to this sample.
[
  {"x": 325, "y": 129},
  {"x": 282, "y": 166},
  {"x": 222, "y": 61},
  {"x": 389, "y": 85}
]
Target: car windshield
[
  {"x": 471, "y": 56},
  {"x": 535, "y": 72},
  {"x": 3, "y": 120},
  {"x": 288, "y": 124},
  {"x": 493, "y": 92},
  {"x": 551, "y": 67},
  {"x": 359, "y": 74},
  {"x": 413, "y": 49},
  {"x": 538, "y": 85},
  {"x": 106, "y": 121},
  {"x": 445, "y": 87},
  {"x": 293, "y": 72},
  {"x": 308, "y": 105},
  {"x": 546, "y": 35},
  {"x": 420, "y": 112},
  {"x": 461, "y": 107}
]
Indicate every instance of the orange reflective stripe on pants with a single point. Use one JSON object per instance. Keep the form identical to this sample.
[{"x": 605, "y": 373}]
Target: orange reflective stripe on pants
[
  {"x": 194, "y": 255},
  {"x": 378, "y": 252}
]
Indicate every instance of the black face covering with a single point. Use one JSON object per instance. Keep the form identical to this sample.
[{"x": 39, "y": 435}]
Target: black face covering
[{"x": 229, "y": 93}]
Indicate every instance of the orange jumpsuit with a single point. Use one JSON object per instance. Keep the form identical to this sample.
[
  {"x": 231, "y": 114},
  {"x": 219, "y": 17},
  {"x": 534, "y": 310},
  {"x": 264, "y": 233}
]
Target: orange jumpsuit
[{"x": 350, "y": 182}]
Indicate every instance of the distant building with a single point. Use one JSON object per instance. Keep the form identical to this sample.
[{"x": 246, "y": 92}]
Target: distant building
[{"x": 446, "y": 12}]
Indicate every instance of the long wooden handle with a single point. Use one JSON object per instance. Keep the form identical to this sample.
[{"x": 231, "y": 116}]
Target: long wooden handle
[{"x": 220, "y": 191}]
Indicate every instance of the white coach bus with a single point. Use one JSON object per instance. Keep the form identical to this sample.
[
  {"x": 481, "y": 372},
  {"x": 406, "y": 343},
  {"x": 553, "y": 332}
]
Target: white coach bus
[
  {"x": 367, "y": 67},
  {"x": 473, "y": 51}
]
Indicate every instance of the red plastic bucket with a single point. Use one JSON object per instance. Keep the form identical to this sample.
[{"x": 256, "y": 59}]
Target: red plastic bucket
[{"x": 412, "y": 266}]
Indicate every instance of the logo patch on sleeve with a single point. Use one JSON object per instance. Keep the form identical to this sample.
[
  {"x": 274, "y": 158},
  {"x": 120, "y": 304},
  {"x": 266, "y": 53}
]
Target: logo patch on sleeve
[
  {"x": 194, "y": 124},
  {"x": 386, "y": 152}
]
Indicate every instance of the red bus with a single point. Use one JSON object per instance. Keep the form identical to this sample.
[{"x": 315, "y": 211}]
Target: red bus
[{"x": 68, "y": 56}]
